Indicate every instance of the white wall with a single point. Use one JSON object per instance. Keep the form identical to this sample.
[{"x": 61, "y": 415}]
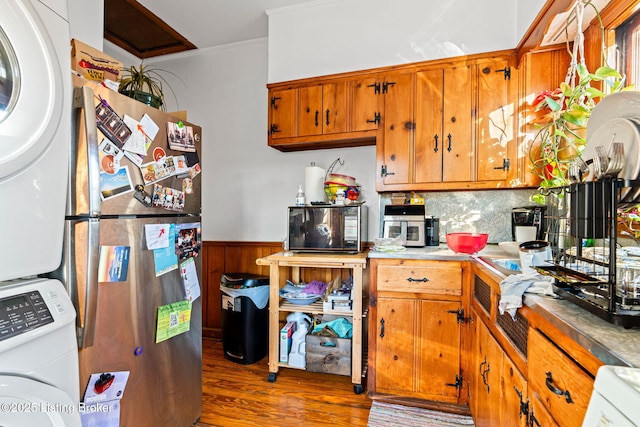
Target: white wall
[
  {"x": 86, "y": 21},
  {"x": 327, "y": 37}
]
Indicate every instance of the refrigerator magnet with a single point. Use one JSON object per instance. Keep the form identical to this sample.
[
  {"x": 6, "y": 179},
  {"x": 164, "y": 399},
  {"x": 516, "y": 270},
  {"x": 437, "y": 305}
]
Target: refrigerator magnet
[
  {"x": 158, "y": 153},
  {"x": 187, "y": 186},
  {"x": 142, "y": 196},
  {"x": 116, "y": 184}
]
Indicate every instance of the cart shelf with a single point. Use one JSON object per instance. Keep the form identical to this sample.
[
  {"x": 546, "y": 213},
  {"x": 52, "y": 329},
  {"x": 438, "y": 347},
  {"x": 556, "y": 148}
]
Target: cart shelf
[{"x": 297, "y": 267}]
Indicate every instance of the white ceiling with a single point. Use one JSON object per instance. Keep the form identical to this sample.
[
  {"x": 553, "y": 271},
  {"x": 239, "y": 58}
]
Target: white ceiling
[{"x": 208, "y": 23}]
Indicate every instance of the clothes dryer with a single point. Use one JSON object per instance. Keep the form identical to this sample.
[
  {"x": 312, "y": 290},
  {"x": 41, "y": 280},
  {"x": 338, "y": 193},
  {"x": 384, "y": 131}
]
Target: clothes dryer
[
  {"x": 35, "y": 123},
  {"x": 39, "y": 379}
]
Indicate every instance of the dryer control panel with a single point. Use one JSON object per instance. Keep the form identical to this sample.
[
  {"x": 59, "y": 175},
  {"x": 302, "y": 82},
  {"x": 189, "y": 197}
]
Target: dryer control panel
[{"x": 21, "y": 313}]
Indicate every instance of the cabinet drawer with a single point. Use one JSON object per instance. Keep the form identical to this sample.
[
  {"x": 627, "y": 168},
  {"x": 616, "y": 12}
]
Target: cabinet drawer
[
  {"x": 423, "y": 279},
  {"x": 564, "y": 388}
]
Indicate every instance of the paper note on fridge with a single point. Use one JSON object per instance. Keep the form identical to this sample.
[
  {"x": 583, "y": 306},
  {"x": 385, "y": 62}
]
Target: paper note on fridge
[
  {"x": 137, "y": 142},
  {"x": 190, "y": 279},
  {"x": 166, "y": 259},
  {"x": 173, "y": 319},
  {"x": 157, "y": 235},
  {"x": 149, "y": 127},
  {"x": 114, "y": 263}
]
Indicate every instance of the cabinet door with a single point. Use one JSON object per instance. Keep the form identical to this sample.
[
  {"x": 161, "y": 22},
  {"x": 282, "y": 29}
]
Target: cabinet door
[
  {"x": 496, "y": 119},
  {"x": 538, "y": 414},
  {"x": 365, "y": 109},
  {"x": 564, "y": 387},
  {"x": 310, "y": 110},
  {"x": 438, "y": 352},
  {"x": 514, "y": 392},
  {"x": 488, "y": 399},
  {"x": 283, "y": 113},
  {"x": 396, "y": 146},
  {"x": 429, "y": 138},
  {"x": 458, "y": 148},
  {"x": 334, "y": 108},
  {"x": 322, "y": 109},
  {"x": 395, "y": 345}
]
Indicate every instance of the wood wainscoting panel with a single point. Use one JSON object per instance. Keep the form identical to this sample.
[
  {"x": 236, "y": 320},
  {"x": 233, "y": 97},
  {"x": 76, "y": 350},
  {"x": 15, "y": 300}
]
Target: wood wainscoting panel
[{"x": 227, "y": 257}]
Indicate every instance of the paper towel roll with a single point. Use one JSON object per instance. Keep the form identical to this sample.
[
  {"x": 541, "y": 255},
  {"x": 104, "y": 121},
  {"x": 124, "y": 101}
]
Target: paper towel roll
[{"x": 314, "y": 184}]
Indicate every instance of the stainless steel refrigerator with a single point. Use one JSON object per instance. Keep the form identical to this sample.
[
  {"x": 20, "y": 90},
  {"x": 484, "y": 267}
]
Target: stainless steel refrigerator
[{"x": 118, "y": 319}]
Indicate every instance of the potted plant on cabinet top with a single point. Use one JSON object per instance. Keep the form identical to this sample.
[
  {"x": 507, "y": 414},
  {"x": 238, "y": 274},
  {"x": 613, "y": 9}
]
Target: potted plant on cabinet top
[
  {"x": 144, "y": 84},
  {"x": 562, "y": 113}
]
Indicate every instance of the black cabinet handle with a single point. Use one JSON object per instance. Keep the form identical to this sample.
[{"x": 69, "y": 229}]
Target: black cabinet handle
[
  {"x": 411, "y": 279},
  {"x": 317, "y": 117},
  {"x": 449, "y": 138},
  {"x": 327, "y": 117},
  {"x": 382, "y": 328},
  {"x": 435, "y": 149},
  {"x": 550, "y": 386}
]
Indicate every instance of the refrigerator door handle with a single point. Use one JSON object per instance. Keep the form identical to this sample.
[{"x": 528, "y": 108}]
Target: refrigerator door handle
[
  {"x": 83, "y": 98},
  {"x": 87, "y": 320}
]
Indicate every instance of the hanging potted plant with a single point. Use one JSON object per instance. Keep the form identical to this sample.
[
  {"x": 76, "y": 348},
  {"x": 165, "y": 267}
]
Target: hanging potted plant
[
  {"x": 563, "y": 113},
  {"x": 144, "y": 84}
]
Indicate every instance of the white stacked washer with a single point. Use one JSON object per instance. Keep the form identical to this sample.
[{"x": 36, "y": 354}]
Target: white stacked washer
[{"x": 39, "y": 383}]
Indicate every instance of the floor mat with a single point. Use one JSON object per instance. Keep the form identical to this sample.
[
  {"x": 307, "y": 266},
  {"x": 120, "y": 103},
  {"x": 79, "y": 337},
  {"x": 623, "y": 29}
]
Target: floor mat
[{"x": 387, "y": 414}]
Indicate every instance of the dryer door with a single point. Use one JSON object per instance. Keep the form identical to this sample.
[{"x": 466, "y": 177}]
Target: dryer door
[
  {"x": 30, "y": 87},
  {"x": 27, "y": 402}
]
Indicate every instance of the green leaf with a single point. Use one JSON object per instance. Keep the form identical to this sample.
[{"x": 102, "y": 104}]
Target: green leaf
[
  {"x": 607, "y": 72},
  {"x": 553, "y": 105},
  {"x": 582, "y": 71}
]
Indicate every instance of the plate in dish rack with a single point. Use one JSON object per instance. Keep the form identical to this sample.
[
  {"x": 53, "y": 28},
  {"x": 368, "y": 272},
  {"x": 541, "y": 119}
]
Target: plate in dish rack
[
  {"x": 616, "y": 130},
  {"x": 625, "y": 105}
]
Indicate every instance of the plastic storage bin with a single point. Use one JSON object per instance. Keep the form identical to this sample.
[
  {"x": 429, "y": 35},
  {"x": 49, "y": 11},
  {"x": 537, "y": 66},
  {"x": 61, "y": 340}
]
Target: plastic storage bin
[{"x": 245, "y": 317}]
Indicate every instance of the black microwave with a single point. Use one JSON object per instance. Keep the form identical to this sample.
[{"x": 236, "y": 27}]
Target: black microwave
[{"x": 327, "y": 228}]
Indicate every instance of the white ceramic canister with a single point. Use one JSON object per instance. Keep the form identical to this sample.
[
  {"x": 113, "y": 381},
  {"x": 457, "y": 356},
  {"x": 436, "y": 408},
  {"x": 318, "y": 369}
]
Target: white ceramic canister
[{"x": 534, "y": 253}]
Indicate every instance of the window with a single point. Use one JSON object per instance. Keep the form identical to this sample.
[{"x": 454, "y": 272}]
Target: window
[{"x": 628, "y": 41}]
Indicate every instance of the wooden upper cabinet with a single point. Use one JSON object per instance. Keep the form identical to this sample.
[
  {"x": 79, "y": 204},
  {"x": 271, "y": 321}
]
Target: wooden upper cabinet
[
  {"x": 322, "y": 109},
  {"x": 395, "y": 149},
  {"x": 365, "y": 105},
  {"x": 282, "y": 108},
  {"x": 496, "y": 119},
  {"x": 444, "y": 149}
]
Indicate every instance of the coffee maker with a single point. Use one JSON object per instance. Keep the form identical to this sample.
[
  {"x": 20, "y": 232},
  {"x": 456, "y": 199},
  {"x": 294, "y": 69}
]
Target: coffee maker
[{"x": 529, "y": 216}]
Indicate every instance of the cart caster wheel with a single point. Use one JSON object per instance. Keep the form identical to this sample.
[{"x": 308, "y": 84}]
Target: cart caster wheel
[
  {"x": 272, "y": 377},
  {"x": 358, "y": 389}
]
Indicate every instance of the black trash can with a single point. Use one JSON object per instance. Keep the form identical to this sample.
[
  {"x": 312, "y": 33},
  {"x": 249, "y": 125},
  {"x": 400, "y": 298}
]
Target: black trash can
[{"x": 245, "y": 317}]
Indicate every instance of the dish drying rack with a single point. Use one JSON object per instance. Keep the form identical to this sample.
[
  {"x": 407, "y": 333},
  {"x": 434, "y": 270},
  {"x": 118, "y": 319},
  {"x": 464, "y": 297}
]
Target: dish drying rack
[{"x": 588, "y": 267}]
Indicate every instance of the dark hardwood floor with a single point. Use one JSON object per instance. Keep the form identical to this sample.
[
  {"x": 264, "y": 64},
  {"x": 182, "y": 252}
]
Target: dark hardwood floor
[{"x": 240, "y": 395}]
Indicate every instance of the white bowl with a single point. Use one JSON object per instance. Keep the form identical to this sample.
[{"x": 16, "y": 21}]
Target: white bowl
[{"x": 511, "y": 248}]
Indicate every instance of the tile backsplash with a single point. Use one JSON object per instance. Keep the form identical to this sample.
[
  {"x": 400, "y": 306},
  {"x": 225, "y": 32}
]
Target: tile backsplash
[{"x": 486, "y": 211}]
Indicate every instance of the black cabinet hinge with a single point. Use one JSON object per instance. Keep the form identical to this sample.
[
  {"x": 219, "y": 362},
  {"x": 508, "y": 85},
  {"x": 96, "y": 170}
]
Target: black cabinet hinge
[
  {"x": 457, "y": 384},
  {"x": 376, "y": 119},
  {"x": 506, "y": 164},
  {"x": 459, "y": 315},
  {"x": 385, "y": 86},
  {"x": 376, "y": 87},
  {"x": 506, "y": 71},
  {"x": 524, "y": 406},
  {"x": 274, "y": 99}
]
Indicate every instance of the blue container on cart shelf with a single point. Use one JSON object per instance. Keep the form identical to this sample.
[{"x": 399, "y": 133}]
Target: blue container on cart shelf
[{"x": 245, "y": 317}]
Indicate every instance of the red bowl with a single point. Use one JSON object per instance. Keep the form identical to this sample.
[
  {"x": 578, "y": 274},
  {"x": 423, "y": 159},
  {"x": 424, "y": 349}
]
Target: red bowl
[{"x": 467, "y": 243}]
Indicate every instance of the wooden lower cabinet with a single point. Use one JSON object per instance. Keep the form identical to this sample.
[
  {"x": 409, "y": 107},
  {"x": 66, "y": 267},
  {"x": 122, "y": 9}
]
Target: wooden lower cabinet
[
  {"x": 415, "y": 335},
  {"x": 497, "y": 387},
  {"x": 564, "y": 388}
]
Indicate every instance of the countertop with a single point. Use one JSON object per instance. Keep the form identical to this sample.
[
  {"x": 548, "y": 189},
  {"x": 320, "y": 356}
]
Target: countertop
[
  {"x": 441, "y": 252},
  {"x": 611, "y": 344}
]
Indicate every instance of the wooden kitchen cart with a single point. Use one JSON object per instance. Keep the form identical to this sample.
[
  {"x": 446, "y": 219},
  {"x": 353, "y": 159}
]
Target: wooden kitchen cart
[{"x": 298, "y": 267}]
